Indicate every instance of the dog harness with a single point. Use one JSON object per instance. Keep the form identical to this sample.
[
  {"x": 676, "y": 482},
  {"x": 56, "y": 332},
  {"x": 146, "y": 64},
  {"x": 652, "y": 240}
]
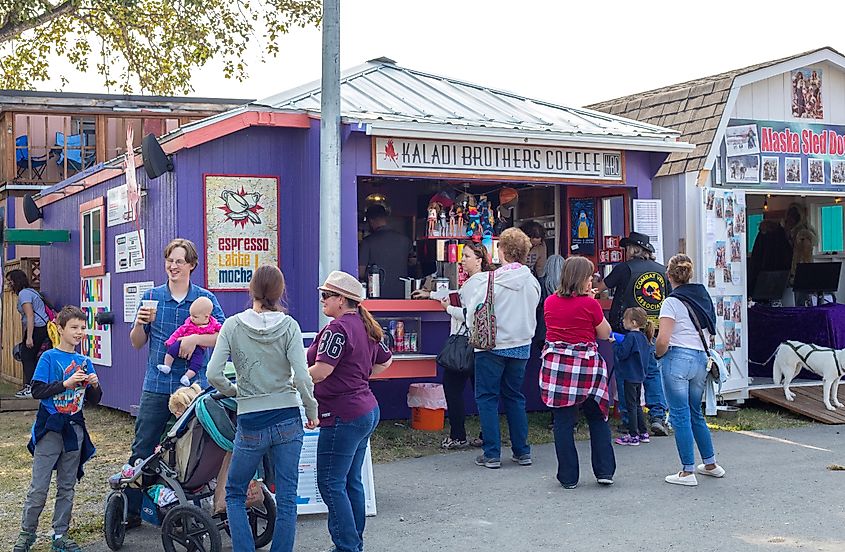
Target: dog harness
[{"x": 814, "y": 349}]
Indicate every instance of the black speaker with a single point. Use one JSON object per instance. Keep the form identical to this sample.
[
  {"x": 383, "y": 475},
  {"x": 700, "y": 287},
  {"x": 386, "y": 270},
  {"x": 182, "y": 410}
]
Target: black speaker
[
  {"x": 105, "y": 318},
  {"x": 31, "y": 211},
  {"x": 156, "y": 162}
]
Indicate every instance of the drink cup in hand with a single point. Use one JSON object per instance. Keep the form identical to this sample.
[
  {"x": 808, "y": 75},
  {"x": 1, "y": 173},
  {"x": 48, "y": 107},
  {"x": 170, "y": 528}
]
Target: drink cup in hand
[{"x": 147, "y": 312}]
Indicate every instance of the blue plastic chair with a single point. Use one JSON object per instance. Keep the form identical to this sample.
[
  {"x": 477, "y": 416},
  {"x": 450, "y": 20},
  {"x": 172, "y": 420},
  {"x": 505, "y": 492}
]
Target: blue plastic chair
[
  {"x": 26, "y": 162},
  {"x": 73, "y": 147}
]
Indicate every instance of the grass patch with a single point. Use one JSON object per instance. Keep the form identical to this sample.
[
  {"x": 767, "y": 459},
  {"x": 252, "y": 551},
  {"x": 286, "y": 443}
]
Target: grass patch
[{"x": 758, "y": 416}]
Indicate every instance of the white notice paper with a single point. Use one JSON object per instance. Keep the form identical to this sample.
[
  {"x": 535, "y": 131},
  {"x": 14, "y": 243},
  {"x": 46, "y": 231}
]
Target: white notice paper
[
  {"x": 132, "y": 294},
  {"x": 128, "y": 254},
  {"x": 118, "y": 210},
  {"x": 648, "y": 220}
]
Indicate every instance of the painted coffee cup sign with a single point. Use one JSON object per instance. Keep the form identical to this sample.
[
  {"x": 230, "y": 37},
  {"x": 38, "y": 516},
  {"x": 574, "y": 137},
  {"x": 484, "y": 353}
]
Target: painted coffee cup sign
[{"x": 241, "y": 228}]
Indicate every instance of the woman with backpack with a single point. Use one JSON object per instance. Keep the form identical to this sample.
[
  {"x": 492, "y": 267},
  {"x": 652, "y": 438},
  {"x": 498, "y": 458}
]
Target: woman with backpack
[{"x": 34, "y": 318}]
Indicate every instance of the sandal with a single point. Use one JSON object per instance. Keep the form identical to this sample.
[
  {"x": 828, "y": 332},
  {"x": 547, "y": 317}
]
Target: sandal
[{"x": 453, "y": 444}]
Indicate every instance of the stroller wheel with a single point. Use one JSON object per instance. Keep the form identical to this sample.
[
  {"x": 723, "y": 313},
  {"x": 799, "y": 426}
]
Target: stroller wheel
[
  {"x": 114, "y": 527},
  {"x": 189, "y": 528},
  {"x": 262, "y": 520}
]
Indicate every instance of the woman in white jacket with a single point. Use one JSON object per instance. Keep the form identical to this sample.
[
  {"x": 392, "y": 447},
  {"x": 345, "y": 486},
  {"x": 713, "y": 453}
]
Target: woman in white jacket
[
  {"x": 500, "y": 371},
  {"x": 476, "y": 264}
]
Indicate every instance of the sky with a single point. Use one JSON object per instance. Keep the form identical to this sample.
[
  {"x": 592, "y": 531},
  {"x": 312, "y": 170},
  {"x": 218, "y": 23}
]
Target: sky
[{"x": 569, "y": 53}]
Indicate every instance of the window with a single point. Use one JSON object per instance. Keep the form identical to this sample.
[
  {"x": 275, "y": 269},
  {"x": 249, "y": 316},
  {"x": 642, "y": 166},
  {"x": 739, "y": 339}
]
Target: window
[
  {"x": 92, "y": 248},
  {"x": 831, "y": 229},
  {"x": 753, "y": 229}
]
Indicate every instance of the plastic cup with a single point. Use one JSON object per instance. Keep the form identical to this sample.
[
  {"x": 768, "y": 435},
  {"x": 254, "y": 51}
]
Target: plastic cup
[{"x": 151, "y": 305}]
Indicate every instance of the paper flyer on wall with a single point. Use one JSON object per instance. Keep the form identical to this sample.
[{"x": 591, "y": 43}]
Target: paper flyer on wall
[
  {"x": 129, "y": 252},
  {"x": 132, "y": 294}
]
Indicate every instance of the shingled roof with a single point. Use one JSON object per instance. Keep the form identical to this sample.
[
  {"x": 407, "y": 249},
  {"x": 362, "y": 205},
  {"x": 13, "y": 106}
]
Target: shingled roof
[{"x": 694, "y": 108}]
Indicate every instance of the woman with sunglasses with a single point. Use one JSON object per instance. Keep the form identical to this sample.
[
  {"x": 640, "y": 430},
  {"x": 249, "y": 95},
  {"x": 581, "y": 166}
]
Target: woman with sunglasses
[{"x": 346, "y": 352}]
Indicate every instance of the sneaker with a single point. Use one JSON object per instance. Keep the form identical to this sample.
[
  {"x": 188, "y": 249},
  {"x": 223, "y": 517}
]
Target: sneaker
[
  {"x": 604, "y": 481},
  {"x": 24, "y": 393},
  {"x": 644, "y": 438},
  {"x": 453, "y": 444},
  {"x": 659, "y": 429},
  {"x": 492, "y": 463},
  {"x": 569, "y": 486},
  {"x": 629, "y": 440},
  {"x": 678, "y": 479},
  {"x": 24, "y": 542},
  {"x": 718, "y": 471},
  {"x": 477, "y": 442},
  {"x": 523, "y": 459},
  {"x": 65, "y": 544}
]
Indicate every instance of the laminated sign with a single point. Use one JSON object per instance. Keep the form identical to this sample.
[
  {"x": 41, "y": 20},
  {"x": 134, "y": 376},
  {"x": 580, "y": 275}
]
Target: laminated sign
[{"x": 241, "y": 228}]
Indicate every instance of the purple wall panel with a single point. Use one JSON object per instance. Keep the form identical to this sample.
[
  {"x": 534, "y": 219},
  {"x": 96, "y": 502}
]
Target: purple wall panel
[{"x": 122, "y": 381}]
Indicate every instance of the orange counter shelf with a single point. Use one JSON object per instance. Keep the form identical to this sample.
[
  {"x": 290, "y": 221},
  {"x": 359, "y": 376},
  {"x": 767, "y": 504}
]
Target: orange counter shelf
[
  {"x": 410, "y": 366},
  {"x": 403, "y": 305}
]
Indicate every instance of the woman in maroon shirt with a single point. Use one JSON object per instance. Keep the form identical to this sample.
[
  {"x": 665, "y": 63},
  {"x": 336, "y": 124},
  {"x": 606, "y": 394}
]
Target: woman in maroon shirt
[
  {"x": 573, "y": 375},
  {"x": 342, "y": 358}
]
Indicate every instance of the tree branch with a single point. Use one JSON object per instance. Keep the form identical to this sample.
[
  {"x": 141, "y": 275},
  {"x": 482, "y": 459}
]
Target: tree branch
[{"x": 14, "y": 28}]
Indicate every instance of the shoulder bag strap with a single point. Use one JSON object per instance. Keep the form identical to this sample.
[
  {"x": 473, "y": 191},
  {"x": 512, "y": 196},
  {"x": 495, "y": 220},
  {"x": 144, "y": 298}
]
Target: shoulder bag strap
[
  {"x": 490, "y": 278},
  {"x": 697, "y": 324}
]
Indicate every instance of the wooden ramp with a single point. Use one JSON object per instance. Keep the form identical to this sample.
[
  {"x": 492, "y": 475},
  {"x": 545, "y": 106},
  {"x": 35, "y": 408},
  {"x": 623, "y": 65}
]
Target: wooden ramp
[
  {"x": 808, "y": 402},
  {"x": 15, "y": 404}
]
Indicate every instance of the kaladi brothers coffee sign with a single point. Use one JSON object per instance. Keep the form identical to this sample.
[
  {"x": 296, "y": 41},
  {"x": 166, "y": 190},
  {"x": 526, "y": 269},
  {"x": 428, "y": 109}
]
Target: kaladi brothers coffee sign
[
  {"x": 412, "y": 156},
  {"x": 788, "y": 155},
  {"x": 241, "y": 228}
]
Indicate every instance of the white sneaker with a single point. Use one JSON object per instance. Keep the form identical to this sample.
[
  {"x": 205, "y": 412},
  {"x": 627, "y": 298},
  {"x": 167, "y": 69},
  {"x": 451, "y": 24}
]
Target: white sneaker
[
  {"x": 24, "y": 393},
  {"x": 718, "y": 471},
  {"x": 677, "y": 479},
  {"x": 163, "y": 368}
]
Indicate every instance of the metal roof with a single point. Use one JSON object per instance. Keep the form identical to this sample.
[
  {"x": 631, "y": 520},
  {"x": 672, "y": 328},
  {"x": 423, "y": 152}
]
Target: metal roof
[{"x": 381, "y": 90}]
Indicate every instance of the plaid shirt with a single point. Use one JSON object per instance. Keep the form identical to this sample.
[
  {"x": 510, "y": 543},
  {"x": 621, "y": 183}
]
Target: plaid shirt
[
  {"x": 571, "y": 374},
  {"x": 170, "y": 315}
]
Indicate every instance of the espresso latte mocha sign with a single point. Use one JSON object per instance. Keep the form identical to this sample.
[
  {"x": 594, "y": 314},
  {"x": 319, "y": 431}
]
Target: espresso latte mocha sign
[{"x": 495, "y": 161}]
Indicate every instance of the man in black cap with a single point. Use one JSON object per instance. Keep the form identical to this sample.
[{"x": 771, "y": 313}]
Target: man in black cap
[
  {"x": 640, "y": 282},
  {"x": 388, "y": 250}
]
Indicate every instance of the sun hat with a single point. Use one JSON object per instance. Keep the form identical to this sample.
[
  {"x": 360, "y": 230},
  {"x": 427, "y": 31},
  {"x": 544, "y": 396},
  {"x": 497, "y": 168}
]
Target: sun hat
[{"x": 345, "y": 285}]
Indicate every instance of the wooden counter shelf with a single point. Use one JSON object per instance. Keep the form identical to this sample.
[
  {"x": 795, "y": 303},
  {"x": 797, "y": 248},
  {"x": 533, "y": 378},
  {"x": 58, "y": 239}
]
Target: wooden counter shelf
[
  {"x": 402, "y": 305},
  {"x": 409, "y": 366}
]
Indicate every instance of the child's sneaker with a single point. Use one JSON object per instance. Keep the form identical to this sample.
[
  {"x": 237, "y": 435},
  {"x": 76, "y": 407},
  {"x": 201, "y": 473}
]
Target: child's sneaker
[
  {"x": 644, "y": 438},
  {"x": 65, "y": 544},
  {"x": 24, "y": 542},
  {"x": 163, "y": 368},
  {"x": 629, "y": 440}
]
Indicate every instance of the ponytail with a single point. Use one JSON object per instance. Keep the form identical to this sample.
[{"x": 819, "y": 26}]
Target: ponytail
[
  {"x": 374, "y": 331},
  {"x": 648, "y": 330}
]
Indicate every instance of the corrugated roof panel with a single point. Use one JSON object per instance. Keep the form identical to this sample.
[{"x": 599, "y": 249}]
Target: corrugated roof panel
[{"x": 381, "y": 90}]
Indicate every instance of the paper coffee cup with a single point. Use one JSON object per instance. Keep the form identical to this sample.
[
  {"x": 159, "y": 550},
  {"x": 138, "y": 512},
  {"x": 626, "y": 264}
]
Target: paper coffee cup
[{"x": 151, "y": 304}]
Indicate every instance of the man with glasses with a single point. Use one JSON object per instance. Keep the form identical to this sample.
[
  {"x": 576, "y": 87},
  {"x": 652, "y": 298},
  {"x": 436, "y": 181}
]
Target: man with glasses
[{"x": 163, "y": 309}]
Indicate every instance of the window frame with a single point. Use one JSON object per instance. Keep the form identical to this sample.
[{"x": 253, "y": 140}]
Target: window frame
[{"x": 86, "y": 210}]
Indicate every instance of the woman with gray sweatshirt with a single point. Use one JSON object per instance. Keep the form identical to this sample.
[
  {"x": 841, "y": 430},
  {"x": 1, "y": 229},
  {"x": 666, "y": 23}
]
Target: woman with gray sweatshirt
[{"x": 265, "y": 345}]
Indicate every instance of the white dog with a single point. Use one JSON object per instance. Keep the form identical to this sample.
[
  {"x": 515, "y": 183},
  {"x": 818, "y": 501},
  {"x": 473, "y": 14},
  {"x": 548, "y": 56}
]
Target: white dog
[{"x": 828, "y": 363}]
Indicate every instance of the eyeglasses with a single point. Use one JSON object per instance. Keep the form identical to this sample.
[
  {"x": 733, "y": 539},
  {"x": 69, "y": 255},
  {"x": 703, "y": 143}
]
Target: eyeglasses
[
  {"x": 326, "y": 294},
  {"x": 177, "y": 262}
]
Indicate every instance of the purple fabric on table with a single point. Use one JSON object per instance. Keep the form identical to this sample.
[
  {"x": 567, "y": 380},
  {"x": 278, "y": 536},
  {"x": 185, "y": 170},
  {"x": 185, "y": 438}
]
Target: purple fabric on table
[
  {"x": 768, "y": 327},
  {"x": 196, "y": 360}
]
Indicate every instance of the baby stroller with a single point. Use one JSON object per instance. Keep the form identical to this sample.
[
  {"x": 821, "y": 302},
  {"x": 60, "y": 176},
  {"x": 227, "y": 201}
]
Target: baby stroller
[{"x": 177, "y": 479}]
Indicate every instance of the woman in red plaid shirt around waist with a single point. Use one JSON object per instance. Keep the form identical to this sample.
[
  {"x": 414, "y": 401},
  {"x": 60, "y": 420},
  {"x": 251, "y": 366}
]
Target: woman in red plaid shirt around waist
[{"x": 573, "y": 376}]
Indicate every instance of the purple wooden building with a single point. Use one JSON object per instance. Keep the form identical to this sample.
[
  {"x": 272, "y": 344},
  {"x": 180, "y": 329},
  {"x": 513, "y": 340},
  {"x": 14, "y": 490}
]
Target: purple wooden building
[{"x": 245, "y": 189}]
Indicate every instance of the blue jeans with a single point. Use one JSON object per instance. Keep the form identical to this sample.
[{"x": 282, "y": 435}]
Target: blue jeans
[
  {"x": 497, "y": 376},
  {"x": 153, "y": 415},
  {"x": 603, "y": 459},
  {"x": 655, "y": 400},
  {"x": 684, "y": 375},
  {"x": 340, "y": 455},
  {"x": 284, "y": 441}
]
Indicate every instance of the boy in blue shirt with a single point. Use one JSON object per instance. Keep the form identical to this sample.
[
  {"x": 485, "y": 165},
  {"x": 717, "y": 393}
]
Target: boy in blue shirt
[
  {"x": 631, "y": 354},
  {"x": 64, "y": 381}
]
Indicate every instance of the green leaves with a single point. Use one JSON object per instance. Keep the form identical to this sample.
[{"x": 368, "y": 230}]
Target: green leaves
[{"x": 147, "y": 45}]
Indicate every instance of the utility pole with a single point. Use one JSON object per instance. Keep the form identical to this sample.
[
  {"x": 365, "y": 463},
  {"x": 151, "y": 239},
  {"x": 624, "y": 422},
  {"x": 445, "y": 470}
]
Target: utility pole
[{"x": 330, "y": 144}]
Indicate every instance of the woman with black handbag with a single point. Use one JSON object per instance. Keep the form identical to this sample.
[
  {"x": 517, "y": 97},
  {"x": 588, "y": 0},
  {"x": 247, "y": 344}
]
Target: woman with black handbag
[{"x": 476, "y": 264}]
